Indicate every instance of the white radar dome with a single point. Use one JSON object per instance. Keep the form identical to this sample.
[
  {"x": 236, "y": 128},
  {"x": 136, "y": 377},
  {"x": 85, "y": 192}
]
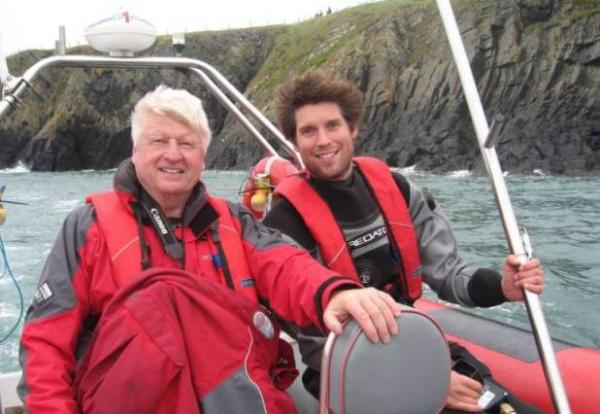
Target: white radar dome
[{"x": 120, "y": 35}]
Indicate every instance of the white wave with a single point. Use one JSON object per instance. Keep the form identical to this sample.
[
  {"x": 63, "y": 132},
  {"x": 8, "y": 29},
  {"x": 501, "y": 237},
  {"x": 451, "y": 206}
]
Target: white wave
[
  {"x": 539, "y": 172},
  {"x": 226, "y": 172},
  {"x": 91, "y": 171},
  {"x": 15, "y": 248},
  {"x": 412, "y": 170},
  {"x": 17, "y": 169},
  {"x": 459, "y": 174},
  {"x": 8, "y": 314},
  {"x": 408, "y": 170},
  {"x": 68, "y": 205},
  {"x": 8, "y": 310}
]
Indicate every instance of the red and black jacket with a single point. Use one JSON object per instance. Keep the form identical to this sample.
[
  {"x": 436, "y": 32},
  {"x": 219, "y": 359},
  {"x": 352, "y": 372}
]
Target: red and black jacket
[{"x": 329, "y": 236}]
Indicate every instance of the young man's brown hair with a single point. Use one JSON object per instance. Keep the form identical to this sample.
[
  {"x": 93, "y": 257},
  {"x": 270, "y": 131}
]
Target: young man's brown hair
[{"x": 315, "y": 87}]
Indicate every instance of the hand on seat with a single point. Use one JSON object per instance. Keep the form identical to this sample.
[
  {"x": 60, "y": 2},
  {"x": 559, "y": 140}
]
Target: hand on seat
[{"x": 374, "y": 310}]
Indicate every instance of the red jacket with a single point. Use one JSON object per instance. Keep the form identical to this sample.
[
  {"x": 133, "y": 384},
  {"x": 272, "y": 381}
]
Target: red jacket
[
  {"x": 78, "y": 281},
  {"x": 329, "y": 236},
  {"x": 122, "y": 240},
  {"x": 183, "y": 345}
]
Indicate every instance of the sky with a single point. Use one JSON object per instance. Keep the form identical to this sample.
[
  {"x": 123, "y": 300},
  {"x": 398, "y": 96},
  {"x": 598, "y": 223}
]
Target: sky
[{"x": 33, "y": 24}]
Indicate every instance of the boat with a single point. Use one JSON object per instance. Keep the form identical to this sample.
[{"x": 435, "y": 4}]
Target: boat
[
  {"x": 512, "y": 357},
  {"x": 510, "y": 352}
]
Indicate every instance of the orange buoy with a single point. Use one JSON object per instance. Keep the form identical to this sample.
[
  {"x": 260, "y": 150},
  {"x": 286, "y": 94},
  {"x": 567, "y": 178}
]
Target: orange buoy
[{"x": 261, "y": 181}]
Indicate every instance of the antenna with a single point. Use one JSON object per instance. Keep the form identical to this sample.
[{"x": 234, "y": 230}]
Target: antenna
[{"x": 178, "y": 43}]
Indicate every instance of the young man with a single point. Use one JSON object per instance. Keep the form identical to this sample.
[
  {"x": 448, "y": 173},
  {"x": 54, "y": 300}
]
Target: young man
[
  {"x": 358, "y": 218},
  {"x": 170, "y": 280}
]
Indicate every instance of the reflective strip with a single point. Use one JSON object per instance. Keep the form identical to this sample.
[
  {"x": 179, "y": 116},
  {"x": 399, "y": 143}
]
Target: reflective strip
[
  {"x": 397, "y": 223},
  {"x": 223, "y": 226},
  {"x": 117, "y": 254},
  {"x": 262, "y": 398},
  {"x": 341, "y": 250},
  {"x": 238, "y": 394}
]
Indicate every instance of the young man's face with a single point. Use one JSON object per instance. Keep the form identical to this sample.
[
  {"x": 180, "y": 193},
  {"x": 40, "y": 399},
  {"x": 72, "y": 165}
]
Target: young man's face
[{"x": 325, "y": 140}]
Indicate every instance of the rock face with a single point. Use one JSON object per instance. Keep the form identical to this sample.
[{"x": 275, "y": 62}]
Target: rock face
[
  {"x": 537, "y": 62},
  {"x": 82, "y": 119}
]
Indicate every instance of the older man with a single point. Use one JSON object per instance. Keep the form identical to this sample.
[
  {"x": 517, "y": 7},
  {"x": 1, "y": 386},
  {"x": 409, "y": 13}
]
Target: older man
[
  {"x": 159, "y": 216},
  {"x": 361, "y": 219}
]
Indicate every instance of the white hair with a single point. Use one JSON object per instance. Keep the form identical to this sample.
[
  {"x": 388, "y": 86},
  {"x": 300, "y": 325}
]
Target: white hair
[{"x": 177, "y": 104}]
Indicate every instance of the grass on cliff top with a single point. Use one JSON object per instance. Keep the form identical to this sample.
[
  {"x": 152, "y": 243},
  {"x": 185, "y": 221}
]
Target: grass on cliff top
[{"x": 296, "y": 48}]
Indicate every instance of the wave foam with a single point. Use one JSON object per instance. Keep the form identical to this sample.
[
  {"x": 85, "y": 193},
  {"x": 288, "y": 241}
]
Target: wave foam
[
  {"x": 459, "y": 174},
  {"x": 412, "y": 170},
  {"x": 17, "y": 169}
]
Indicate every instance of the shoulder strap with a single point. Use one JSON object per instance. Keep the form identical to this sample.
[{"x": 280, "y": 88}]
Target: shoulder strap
[
  {"x": 320, "y": 222},
  {"x": 229, "y": 242},
  {"x": 397, "y": 216},
  {"x": 118, "y": 227}
]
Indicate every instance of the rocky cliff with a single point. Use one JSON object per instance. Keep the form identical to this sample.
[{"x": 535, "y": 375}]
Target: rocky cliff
[{"x": 537, "y": 62}]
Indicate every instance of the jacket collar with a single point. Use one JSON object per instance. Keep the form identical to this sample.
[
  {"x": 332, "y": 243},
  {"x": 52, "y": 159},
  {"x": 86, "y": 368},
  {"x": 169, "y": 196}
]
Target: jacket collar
[{"x": 198, "y": 212}]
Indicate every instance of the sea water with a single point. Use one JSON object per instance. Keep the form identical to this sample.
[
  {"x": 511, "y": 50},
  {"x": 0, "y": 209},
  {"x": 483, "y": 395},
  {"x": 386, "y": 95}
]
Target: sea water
[{"x": 561, "y": 214}]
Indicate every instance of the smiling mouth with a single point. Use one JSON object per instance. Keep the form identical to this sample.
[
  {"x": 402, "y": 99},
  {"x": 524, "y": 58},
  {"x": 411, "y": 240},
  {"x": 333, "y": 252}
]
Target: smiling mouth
[
  {"x": 327, "y": 155},
  {"x": 171, "y": 170}
]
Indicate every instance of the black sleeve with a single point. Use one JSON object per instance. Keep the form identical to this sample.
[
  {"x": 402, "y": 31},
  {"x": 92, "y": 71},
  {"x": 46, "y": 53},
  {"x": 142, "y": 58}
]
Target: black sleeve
[
  {"x": 284, "y": 217},
  {"x": 485, "y": 288}
]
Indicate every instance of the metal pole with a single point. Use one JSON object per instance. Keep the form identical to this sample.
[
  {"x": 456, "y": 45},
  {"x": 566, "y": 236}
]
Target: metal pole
[
  {"x": 230, "y": 106},
  {"x": 288, "y": 147},
  {"x": 62, "y": 41},
  {"x": 511, "y": 229},
  {"x": 324, "y": 385},
  {"x": 19, "y": 85}
]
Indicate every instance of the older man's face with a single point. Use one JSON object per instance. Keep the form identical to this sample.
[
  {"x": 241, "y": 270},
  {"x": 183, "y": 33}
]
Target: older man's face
[{"x": 168, "y": 159}]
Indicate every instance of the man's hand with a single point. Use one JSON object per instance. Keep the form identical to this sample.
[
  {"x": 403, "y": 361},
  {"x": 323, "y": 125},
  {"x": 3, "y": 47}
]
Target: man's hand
[
  {"x": 464, "y": 393},
  {"x": 515, "y": 277},
  {"x": 374, "y": 310}
]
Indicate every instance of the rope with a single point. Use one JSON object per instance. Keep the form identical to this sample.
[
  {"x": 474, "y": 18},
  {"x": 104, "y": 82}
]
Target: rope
[{"x": 7, "y": 271}]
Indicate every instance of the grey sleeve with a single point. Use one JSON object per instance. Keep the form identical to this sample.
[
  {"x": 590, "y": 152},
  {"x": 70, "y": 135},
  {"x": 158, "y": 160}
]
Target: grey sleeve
[
  {"x": 55, "y": 292},
  {"x": 443, "y": 270},
  {"x": 52, "y": 359}
]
